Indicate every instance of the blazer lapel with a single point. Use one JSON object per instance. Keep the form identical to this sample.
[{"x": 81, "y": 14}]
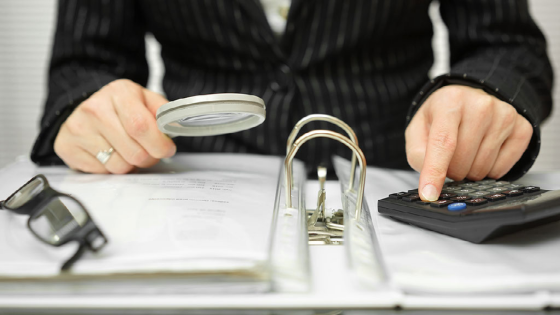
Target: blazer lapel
[
  {"x": 294, "y": 14},
  {"x": 255, "y": 11}
]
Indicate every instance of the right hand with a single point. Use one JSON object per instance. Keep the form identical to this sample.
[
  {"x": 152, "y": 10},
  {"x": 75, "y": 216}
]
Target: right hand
[{"x": 121, "y": 115}]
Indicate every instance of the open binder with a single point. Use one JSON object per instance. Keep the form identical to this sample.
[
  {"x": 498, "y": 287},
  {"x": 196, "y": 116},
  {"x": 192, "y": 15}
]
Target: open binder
[
  {"x": 362, "y": 249},
  {"x": 147, "y": 209}
]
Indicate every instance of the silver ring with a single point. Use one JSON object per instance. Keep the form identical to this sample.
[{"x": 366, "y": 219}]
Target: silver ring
[{"x": 103, "y": 156}]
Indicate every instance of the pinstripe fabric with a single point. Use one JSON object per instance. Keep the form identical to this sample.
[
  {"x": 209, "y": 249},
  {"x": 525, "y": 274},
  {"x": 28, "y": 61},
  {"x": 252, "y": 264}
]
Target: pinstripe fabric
[{"x": 363, "y": 61}]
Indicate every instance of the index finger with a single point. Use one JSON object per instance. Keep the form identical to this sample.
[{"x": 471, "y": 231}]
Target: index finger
[
  {"x": 153, "y": 101},
  {"x": 442, "y": 141},
  {"x": 140, "y": 124}
]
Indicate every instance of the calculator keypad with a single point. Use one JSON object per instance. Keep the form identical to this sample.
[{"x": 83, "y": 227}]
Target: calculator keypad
[
  {"x": 476, "y": 201},
  {"x": 447, "y": 195},
  {"x": 441, "y": 203},
  {"x": 458, "y": 197},
  {"x": 411, "y": 198},
  {"x": 480, "y": 193},
  {"x": 513, "y": 193},
  {"x": 398, "y": 195},
  {"x": 529, "y": 189},
  {"x": 495, "y": 197}
]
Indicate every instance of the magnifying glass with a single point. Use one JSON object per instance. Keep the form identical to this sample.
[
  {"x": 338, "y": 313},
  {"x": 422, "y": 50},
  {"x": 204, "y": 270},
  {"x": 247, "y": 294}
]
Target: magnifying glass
[{"x": 210, "y": 115}]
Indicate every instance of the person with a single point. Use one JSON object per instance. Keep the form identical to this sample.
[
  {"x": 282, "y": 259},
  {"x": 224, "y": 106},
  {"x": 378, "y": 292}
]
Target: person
[{"x": 365, "y": 62}]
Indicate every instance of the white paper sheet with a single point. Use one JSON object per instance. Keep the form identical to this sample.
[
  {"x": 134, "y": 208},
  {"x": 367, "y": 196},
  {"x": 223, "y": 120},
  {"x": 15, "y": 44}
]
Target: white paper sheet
[
  {"x": 193, "y": 213},
  {"x": 422, "y": 262}
]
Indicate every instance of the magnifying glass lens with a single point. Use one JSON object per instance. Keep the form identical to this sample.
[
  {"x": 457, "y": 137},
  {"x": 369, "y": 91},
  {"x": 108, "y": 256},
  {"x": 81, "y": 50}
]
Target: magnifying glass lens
[
  {"x": 212, "y": 119},
  {"x": 210, "y": 115}
]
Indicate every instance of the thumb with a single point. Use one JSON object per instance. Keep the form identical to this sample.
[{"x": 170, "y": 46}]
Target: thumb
[{"x": 153, "y": 100}]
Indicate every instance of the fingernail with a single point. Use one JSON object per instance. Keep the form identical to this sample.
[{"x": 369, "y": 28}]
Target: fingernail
[
  {"x": 171, "y": 151},
  {"x": 430, "y": 192}
]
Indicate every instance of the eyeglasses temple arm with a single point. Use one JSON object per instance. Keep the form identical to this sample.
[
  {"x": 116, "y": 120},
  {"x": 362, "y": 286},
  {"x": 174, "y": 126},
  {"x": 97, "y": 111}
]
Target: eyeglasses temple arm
[{"x": 68, "y": 264}]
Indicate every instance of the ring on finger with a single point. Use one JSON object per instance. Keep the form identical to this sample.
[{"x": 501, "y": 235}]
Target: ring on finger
[{"x": 104, "y": 155}]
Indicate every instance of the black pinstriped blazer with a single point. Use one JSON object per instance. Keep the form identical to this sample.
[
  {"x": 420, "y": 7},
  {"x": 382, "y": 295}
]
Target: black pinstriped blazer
[{"x": 364, "y": 61}]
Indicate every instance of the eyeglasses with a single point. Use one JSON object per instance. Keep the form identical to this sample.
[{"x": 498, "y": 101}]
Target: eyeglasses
[{"x": 55, "y": 218}]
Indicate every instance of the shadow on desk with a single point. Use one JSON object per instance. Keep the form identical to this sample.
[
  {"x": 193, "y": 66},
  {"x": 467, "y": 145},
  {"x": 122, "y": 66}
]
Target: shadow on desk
[{"x": 541, "y": 234}]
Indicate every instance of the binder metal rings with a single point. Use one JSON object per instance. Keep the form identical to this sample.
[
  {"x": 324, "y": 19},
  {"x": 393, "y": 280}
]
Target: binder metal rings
[
  {"x": 332, "y": 120},
  {"x": 335, "y": 136}
]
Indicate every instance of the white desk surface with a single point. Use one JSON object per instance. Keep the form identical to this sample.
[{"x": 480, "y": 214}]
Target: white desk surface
[{"x": 331, "y": 284}]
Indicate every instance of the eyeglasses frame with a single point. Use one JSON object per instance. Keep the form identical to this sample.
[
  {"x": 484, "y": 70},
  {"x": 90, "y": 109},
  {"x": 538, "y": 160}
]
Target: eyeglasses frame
[{"x": 84, "y": 235}]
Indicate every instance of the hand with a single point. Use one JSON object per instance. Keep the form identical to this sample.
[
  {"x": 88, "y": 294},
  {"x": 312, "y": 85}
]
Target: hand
[
  {"x": 462, "y": 132},
  {"x": 121, "y": 115}
]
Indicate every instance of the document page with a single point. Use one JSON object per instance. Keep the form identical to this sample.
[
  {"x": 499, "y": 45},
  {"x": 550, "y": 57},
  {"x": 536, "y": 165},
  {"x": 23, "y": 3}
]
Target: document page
[{"x": 195, "y": 213}]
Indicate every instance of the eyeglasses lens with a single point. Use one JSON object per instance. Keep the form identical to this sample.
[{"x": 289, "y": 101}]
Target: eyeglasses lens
[
  {"x": 25, "y": 193},
  {"x": 61, "y": 217}
]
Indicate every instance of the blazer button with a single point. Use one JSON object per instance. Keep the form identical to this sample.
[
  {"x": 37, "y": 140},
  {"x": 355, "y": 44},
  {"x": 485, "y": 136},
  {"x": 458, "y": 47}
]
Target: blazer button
[
  {"x": 275, "y": 86},
  {"x": 285, "y": 69}
]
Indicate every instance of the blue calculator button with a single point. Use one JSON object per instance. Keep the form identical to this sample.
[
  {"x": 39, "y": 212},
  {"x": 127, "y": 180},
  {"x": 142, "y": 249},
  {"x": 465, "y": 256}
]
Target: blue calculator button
[{"x": 457, "y": 206}]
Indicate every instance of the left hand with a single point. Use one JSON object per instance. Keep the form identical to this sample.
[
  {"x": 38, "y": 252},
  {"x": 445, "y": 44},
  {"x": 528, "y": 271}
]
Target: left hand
[{"x": 462, "y": 132}]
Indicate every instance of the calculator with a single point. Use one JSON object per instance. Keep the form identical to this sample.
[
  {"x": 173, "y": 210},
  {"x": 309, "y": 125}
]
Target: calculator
[{"x": 476, "y": 211}]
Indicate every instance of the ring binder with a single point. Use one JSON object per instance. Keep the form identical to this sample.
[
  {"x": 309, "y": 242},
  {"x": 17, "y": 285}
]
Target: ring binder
[
  {"x": 335, "y": 136},
  {"x": 289, "y": 250},
  {"x": 363, "y": 253},
  {"x": 327, "y": 118},
  {"x": 362, "y": 249}
]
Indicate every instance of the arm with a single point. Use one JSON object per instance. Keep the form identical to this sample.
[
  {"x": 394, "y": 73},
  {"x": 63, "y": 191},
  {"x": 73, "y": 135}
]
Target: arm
[
  {"x": 499, "y": 54},
  {"x": 96, "y": 42}
]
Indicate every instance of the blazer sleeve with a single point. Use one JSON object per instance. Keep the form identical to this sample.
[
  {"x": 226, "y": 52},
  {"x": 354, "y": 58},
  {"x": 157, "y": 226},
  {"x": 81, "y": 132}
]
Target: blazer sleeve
[
  {"x": 496, "y": 46},
  {"x": 96, "y": 42}
]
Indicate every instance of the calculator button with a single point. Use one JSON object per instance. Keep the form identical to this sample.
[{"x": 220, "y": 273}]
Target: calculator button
[
  {"x": 513, "y": 193},
  {"x": 495, "y": 197},
  {"x": 423, "y": 203},
  {"x": 398, "y": 195},
  {"x": 413, "y": 191},
  {"x": 476, "y": 201},
  {"x": 447, "y": 196},
  {"x": 487, "y": 181},
  {"x": 497, "y": 189},
  {"x": 411, "y": 198},
  {"x": 451, "y": 189},
  {"x": 501, "y": 183},
  {"x": 480, "y": 193},
  {"x": 460, "y": 198},
  {"x": 464, "y": 191},
  {"x": 457, "y": 206},
  {"x": 469, "y": 185},
  {"x": 483, "y": 187},
  {"x": 441, "y": 203},
  {"x": 454, "y": 184},
  {"x": 529, "y": 189},
  {"x": 515, "y": 186}
]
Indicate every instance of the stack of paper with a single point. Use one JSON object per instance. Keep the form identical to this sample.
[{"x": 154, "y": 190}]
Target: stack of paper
[{"x": 197, "y": 223}]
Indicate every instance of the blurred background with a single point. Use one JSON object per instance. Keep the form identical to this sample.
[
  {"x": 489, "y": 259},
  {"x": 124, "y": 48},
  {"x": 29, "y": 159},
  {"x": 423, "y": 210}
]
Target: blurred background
[{"x": 26, "y": 30}]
